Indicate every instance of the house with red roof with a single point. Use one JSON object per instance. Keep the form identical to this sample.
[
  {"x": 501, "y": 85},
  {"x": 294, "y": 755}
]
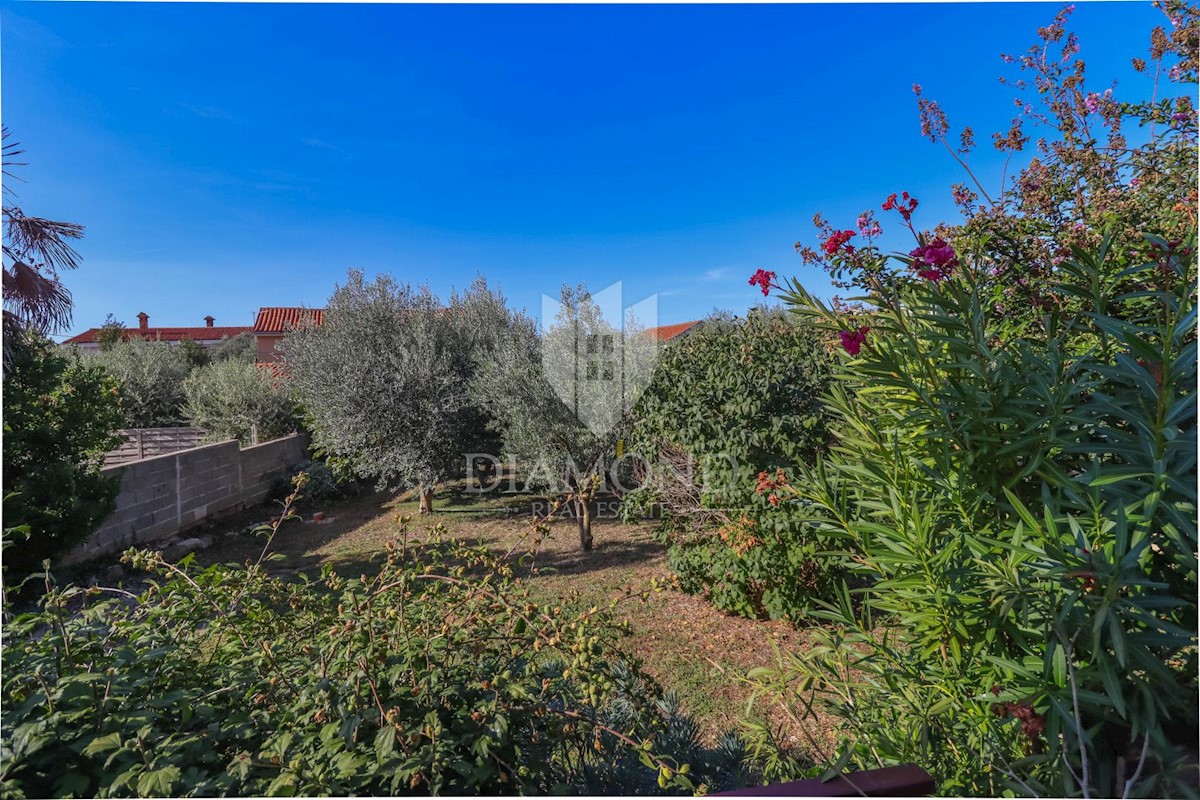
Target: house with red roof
[
  {"x": 207, "y": 336},
  {"x": 274, "y": 322},
  {"x": 666, "y": 333},
  {"x": 271, "y": 324}
]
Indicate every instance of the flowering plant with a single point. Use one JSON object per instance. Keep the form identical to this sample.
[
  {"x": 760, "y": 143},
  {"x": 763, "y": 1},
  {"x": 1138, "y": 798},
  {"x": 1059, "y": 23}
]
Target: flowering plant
[{"x": 1013, "y": 480}]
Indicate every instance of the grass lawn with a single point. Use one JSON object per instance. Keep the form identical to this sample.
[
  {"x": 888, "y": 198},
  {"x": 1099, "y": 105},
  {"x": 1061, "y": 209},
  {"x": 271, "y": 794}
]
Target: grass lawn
[{"x": 682, "y": 640}]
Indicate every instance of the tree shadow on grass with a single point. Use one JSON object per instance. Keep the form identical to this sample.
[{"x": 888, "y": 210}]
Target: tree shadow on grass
[
  {"x": 353, "y": 537},
  {"x": 605, "y": 555},
  {"x": 300, "y": 540}
]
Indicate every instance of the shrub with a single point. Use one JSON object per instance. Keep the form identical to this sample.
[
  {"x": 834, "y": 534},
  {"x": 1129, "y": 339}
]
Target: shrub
[
  {"x": 321, "y": 484},
  {"x": 59, "y": 419},
  {"x": 233, "y": 399},
  {"x": 384, "y": 380},
  {"x": 436, "y": 673},
  {"x": 1097, "y": 164},
  {"x": 151, "y": 375},
  {"x": 1023, "y": 506},
  {"x": 1014, "y": 478},
  {"x": 195, "y": 354},
  {"x": 243, "y": 347},
  {"x": 730, "y": 401}
]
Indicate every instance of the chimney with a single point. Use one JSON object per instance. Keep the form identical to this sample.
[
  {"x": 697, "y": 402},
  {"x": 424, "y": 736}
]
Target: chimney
[
  {"x": 143, "y": 320},
  {"x": 208, "y": 321}
]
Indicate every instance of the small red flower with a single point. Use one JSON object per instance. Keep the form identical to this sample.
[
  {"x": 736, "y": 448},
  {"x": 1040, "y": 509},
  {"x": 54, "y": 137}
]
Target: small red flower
[
  {"x": 906, "y": 205},
  {"x": 773, "y": 500},
  {"x": 765, "y": 279},
  {"x": 837, "y": 241}
]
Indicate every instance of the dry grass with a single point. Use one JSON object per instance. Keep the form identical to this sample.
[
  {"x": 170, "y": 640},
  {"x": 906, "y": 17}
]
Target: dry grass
[{"x": 689, "y": 646}]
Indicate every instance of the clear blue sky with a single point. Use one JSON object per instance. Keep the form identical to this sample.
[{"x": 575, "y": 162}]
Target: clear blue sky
[{"x": 227, "y": 156}]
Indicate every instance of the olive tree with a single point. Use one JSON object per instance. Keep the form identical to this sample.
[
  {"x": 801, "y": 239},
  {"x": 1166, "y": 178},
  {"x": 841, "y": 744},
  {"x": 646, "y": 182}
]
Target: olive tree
[
  {"x": 241, "y": 347},
  {"x": 151, "y": 374},
  {"x": 385, "y": 379},
  {"x": 234, "y": 399},
  {"x": 560, "y": 400}
]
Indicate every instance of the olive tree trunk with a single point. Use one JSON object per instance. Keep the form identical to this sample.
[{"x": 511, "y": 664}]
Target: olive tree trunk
[
  {"x": 425, "y": 495},
  {"x": 583, "y": 517}
]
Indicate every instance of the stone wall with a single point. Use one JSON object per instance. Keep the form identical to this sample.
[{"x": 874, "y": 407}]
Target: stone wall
[{"x": 164, "y": 495}]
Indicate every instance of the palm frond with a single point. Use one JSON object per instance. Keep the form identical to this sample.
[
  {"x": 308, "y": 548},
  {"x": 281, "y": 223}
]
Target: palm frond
[
  {"x": 34, "y": 299},
  {"x": 8, "y": 154},
  {"x": 39, "y": 241}
]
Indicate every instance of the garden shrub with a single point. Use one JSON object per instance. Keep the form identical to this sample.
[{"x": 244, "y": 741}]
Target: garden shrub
[
  {"x": 1024, "y": 510},
  {"x": 1014, "y": 474},
  {"x": 242, "y": 347},
  {"x": 435, "y": 672},
  {"x": 151, "y": 375},
  {"x": 322, "y": 483},
  {"x": 230, "y": 399},
  {"x": 731, "y": 400},
  {"x": 60, "y": 416}
]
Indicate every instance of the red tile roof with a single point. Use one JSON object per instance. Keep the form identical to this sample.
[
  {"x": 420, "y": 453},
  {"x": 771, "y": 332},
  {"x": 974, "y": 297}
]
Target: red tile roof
[
  {"x": 277, "y": 369},
  {"x": 665, "y": 333},
  {"x": 277, "y": 319},
  {"x": 165, "y": 334}
]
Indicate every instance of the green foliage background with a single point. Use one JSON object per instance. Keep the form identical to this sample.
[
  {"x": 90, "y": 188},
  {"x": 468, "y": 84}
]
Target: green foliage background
[
  {"x": 59, "y": 419},
  {"x": 229, "y": 398},
  {"x": 731, "y": 399},
  {"x": 432, "y": 673}
]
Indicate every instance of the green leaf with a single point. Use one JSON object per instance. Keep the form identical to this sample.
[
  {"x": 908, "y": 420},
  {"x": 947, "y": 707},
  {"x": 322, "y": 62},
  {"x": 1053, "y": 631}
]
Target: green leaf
[
  {"x": 102, "y": 744},
  {"x": 385, "y": 742},
  {"x": 159, "y": 782}
]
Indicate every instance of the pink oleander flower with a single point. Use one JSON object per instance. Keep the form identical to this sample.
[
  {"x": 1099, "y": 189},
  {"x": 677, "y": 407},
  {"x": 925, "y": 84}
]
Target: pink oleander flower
[
  {"x": 853, "y": 341},
  {"x": 763, "y": 278},
  {"x": 934, "y": 261},
  {"x": 1092, "y": 102}
]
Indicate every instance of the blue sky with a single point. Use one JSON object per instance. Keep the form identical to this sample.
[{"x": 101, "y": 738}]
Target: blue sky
[{"x": 227, "y": 156}]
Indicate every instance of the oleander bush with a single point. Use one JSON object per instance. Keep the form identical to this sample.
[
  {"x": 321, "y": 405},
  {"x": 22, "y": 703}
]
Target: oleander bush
[
  {"x": 1023, "y": 509},
  {"x": 1013, "y": 478},
  {"x": 434, "y": 672}
]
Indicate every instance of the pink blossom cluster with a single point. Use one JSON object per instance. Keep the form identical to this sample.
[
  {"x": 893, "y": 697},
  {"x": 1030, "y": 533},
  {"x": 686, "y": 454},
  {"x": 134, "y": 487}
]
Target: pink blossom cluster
[
  {"x": 765, "y": 279},
  {"x": 854, "y": 340},
  {"x": 934, "y": 260},
  {"x": 868, "y": 226}
]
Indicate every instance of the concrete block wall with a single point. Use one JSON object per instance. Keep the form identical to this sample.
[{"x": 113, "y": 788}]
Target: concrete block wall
[
  {"x": 209, "y": 481},
  {"x": 260, "y": 466},
  {"x": 166, "y": 494}
]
